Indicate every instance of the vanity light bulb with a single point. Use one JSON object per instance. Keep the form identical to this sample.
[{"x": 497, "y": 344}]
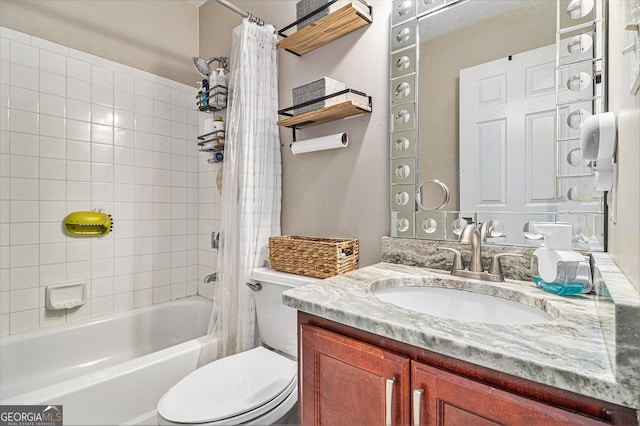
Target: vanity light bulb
[
  {"x": 529, "y": 231},
  {"x": 576, "y": 118},
  {"x": 429, "y": 225},
  {"x": 458, "y": 225},
  {"x": 578, "y": 82},
  {"x": 403, "y": 63},
  {"x": 402, "y": 117},
  {"x": 403, "y": 171},
  {"x": 402, "y": 224},
  {"x": 574, "y": 158},
  {"x": 403, "y": 35},
  {"x": 402, "y": 144},
  {"x": 579, "y": 44},
  {"x": 403, "y": 90},
  {"x": 580, "y": 193},
  {"x": 579, "y": 8},
  {"x": 402, "y": 198},
  {"x": 403, "y": 8}
]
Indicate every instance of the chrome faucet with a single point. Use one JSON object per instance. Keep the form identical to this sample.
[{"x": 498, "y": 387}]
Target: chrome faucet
[
  {"x": 471, "y": 235},
  {"x": 211, "y": 277}
]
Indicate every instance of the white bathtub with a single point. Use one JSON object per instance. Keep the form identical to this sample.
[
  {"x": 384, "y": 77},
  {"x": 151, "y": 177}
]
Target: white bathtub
[{"x": 106, "y": 371}]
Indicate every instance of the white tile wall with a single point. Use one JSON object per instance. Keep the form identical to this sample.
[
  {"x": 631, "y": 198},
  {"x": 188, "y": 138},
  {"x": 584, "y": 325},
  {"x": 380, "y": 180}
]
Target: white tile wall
[
  {"x": 207, "y": 210},
  {"x": 79, "y": 132}
]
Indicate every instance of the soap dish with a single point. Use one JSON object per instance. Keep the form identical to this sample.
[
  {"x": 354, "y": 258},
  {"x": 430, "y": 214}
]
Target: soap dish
[{"x": 65, "y": 296}]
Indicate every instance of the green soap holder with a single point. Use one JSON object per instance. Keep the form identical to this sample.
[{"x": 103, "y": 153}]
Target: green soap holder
[{"x": 88, "y": 224}]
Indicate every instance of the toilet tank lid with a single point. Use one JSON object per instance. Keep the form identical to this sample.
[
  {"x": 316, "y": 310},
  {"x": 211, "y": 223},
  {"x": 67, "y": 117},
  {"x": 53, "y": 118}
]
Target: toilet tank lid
[{"x": 271, "y": 276}]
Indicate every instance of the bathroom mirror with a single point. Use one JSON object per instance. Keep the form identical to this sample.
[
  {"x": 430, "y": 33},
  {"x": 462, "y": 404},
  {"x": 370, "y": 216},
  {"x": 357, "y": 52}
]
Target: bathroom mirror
[{"x": 487, "y": 97}]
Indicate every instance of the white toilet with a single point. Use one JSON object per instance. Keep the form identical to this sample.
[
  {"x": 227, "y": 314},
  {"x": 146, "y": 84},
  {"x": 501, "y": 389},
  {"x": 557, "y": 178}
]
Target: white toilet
[{"x": 258, "y": 386}]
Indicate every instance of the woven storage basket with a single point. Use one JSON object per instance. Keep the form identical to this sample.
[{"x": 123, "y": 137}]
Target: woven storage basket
[{"x": 313, "y": 256}]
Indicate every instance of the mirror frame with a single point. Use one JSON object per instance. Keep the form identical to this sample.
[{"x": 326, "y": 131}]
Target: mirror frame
[{"x": 406, "y": 215}]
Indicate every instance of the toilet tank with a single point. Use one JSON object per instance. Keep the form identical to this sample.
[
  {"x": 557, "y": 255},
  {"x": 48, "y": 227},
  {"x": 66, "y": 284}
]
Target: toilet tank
[{"x": 277, "y": 323}]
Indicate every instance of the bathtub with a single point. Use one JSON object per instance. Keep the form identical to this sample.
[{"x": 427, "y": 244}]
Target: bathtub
[{"x": 106, "y": 371}]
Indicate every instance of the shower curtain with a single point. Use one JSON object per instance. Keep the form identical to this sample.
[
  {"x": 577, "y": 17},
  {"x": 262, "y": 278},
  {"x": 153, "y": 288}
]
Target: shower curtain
[{"x": 251, "y": 187}]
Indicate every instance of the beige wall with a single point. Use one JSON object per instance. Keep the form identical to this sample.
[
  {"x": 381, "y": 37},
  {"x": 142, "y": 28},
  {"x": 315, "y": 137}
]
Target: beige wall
[
  {"x": 624, "y": 233},
  {"x": 156, "y": 36},
  {"x": 337, "y": 193}
]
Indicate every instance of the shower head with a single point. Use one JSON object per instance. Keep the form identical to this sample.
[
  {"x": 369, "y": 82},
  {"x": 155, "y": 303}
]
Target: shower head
[{"x": 203, "y": 65}]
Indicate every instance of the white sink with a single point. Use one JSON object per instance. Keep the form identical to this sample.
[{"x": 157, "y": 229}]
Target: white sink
[{"x": 462, "y": 305}]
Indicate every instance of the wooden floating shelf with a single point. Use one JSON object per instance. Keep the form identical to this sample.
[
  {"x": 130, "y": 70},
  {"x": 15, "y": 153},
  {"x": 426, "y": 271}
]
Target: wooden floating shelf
[
  {"x": 325, "y": 115},
  {"x": 343, "y": 21}
]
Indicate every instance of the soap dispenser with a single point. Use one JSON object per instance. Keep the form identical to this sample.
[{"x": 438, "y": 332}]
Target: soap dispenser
[{"x": 556, "y": 268}]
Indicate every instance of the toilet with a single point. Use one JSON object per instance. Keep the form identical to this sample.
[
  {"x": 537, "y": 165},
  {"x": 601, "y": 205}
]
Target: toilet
[{"x": 258, "y": 386}]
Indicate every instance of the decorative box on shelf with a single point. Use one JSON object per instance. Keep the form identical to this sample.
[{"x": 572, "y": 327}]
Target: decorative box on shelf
[
  {"x": 317, "y": 89},
  {"x": 309, "y": 11},
  {"x": 331, "y": 20}
]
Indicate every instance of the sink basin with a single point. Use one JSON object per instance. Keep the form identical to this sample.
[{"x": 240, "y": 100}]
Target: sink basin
[{"x": 462, "y": 305}]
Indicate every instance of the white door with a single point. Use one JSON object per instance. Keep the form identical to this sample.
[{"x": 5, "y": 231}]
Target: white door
[{"x": 507, "y": 134}]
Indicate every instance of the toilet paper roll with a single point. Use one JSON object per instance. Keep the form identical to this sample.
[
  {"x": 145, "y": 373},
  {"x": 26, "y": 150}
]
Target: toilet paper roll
[{"x": 339, "y": 140}]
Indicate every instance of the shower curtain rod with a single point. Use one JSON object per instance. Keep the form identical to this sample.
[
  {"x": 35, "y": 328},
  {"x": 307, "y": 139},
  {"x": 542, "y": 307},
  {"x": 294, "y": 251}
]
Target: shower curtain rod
[{"x": 240, "y": 12}]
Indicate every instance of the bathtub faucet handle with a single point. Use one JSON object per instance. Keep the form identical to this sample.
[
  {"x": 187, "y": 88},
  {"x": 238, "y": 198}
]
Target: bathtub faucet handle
[{"x": 215, "y": 240}]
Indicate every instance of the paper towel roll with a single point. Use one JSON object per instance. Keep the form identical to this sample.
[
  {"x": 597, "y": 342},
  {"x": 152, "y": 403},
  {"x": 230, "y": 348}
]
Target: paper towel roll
[{"x": 339, "y": 140}]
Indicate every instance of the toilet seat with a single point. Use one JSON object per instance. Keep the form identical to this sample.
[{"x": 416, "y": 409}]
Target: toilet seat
[{"x": 232, "y": 390}]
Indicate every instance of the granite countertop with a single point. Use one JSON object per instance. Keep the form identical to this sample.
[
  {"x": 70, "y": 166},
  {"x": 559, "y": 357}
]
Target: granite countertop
[{"x": 569, "y": 352}]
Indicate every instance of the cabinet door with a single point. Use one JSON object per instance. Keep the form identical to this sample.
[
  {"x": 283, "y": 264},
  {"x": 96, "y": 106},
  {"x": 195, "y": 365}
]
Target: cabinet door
[
  {"x": 347, "y": 382},
  {"x": 442, "y": 398}
]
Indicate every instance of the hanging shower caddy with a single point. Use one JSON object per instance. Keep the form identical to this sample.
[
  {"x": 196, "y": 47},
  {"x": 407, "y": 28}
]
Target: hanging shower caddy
[
  {"x": 213, "y": 92},
  {"x": 213, "y": 139},
  {"x": 212, "y": 97}
]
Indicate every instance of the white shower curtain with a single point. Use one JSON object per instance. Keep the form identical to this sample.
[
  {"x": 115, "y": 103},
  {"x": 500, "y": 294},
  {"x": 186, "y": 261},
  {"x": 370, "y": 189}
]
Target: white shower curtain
[{"x": 251, "y": 187}]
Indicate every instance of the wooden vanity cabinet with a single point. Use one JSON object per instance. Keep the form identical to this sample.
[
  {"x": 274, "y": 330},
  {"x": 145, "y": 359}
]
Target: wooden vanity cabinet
[
  {"x": 442, "y": 398},
  {"x": 351, "y": 377},
  {"x": 347, "y": 382}
]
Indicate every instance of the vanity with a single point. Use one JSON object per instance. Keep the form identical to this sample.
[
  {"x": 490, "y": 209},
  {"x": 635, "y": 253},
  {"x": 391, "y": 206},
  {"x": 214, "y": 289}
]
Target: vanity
[{"x": 364, "y": 360}]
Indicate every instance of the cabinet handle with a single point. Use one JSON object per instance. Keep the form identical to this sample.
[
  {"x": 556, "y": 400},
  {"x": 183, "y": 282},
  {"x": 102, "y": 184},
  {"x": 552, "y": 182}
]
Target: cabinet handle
[
  {"x": 389, "y": 400},
  {"x": 417, "y": 405}
]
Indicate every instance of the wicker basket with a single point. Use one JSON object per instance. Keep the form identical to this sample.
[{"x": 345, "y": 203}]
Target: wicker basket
[{"x": 313, "y": 256}]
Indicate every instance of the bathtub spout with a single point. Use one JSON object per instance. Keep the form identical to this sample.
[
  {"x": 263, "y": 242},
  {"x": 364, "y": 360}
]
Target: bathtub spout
[{"x": 211, "y": 277}]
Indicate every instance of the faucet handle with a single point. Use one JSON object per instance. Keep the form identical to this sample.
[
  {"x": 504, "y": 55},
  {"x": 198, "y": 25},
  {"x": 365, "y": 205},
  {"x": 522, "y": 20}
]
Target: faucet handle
[
  {"x": 495, "y": 268},
  {"x": 457, "y": 258}
]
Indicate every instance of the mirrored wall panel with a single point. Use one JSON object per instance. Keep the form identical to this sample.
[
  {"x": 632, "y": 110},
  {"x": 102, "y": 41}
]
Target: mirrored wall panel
[{"x": 487, "y": 97}]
